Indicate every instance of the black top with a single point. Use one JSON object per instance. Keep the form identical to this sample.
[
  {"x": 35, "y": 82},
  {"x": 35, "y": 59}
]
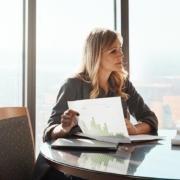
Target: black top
[{"x": 76, "y": 89}]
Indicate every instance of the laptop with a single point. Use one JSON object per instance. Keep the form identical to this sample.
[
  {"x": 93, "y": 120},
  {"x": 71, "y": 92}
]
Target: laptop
[{"x": 82, "y": 144}]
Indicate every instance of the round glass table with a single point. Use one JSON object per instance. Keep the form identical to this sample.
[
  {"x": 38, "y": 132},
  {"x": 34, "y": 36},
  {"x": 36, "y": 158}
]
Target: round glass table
[{"x": 148, "y": 160}]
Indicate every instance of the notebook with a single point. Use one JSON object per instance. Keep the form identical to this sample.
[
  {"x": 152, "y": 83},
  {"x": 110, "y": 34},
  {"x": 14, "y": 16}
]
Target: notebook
[{"x": 82, "y": 144}]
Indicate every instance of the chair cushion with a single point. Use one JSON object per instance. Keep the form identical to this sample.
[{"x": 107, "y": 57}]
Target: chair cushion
[{"x": 16, "y": 149}]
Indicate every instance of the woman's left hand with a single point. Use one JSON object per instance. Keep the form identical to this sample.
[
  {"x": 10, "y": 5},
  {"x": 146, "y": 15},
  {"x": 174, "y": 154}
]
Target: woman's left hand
[
  {"x": 132, "y": 130},
  {"x": 139, "y": 128}
]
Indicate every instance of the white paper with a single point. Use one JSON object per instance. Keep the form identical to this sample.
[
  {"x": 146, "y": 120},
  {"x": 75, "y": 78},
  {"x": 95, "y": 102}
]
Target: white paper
[
  {"x": 144, "y": 137},
  {"x": 103, "y": 120},
  {"x": 101, "y": 116}
]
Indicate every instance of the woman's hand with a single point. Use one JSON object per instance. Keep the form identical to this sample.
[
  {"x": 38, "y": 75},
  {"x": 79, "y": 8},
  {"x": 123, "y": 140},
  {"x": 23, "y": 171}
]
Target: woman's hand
[
  {"x": 140, "y": 128},
  {"x": 69, "y": 120},
  {"x": 132, "y": 130}
]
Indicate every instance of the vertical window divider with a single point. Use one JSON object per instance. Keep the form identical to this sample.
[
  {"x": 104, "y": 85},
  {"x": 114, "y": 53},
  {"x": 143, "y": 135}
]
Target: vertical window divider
[
  {"x": 23, "y": 52},
  {"x": 29, "y": 59},
  {"x": 125, "y": 31},
  {"x": 115, "y": 15}
]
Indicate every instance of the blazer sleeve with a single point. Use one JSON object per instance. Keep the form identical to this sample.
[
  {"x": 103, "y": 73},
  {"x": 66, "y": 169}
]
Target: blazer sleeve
[
  {"x": 139, "y": 109},
  {"x": 66, "y": 93}
]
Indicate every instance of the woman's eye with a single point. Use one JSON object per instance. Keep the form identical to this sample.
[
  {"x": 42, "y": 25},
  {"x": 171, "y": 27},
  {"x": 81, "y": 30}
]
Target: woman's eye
[{"x": 113, "y": 51}]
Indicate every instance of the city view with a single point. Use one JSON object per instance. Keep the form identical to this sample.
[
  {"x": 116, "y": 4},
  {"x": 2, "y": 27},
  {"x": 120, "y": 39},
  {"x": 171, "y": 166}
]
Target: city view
[{"x": 163, "y": 96}]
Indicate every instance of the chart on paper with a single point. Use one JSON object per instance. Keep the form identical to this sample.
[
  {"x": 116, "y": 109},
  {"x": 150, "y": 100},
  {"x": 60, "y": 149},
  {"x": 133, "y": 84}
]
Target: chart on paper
[{"x": 101, "y": 116}]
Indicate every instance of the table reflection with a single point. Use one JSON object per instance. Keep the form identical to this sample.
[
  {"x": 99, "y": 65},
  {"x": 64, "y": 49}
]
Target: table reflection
[{"x": 124, "y": 161}]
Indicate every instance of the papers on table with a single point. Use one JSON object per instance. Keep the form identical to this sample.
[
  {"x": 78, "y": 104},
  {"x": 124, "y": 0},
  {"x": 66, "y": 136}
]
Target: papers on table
[{"x": 103, "y": 119}]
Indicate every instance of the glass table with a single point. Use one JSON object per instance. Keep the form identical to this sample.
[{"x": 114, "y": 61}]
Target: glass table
[{"x": 148, "y": 160}]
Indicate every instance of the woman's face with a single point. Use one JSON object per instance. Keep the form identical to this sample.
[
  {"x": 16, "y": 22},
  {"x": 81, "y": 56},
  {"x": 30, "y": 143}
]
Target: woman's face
[{"x": 112, "y": 58}]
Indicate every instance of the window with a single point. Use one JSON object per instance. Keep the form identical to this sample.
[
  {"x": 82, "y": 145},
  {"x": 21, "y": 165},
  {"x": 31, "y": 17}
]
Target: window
[
  {"x": 61, "y": 30},
  {"x": 154, "y": 56},
  {"x": 11, "y": 13}
]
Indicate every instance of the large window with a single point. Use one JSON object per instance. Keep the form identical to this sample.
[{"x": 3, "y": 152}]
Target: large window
[
  {"x": 155, "y": 54},
  {"x": 62, "y": 26},
  {"x": 11, "y": 52}
]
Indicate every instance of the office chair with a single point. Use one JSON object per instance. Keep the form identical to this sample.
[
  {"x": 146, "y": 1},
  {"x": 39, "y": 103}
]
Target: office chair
[{"x": 17, "y": 155}]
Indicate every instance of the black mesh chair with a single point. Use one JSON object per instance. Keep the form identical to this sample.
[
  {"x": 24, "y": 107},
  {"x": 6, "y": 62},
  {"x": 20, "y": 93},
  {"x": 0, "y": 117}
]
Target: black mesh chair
[{"x": 17, "y": 155}]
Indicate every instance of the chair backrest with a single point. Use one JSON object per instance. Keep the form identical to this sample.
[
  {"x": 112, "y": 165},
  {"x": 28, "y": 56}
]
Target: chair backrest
[{"x": 17, "y": 155}]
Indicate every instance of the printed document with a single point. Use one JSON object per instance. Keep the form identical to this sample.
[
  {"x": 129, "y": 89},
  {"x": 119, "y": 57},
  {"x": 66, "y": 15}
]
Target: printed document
[{"x": 103, "y": 119}]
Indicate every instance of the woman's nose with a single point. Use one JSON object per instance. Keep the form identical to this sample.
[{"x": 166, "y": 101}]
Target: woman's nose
[{"x": 120, "y": 53}]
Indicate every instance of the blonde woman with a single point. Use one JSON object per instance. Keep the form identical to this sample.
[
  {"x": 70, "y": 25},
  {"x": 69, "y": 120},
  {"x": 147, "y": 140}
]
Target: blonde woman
[{"x": 101, "y": 75}]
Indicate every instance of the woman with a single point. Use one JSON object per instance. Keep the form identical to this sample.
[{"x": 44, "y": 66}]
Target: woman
[{"x": 101, "y": 75}]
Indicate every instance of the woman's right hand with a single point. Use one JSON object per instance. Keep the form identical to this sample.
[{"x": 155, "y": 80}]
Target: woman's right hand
[{"x": 69, "y": 120}]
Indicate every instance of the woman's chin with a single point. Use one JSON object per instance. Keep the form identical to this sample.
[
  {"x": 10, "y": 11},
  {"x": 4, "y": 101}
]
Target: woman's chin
[{"x": 118, "y": 68}]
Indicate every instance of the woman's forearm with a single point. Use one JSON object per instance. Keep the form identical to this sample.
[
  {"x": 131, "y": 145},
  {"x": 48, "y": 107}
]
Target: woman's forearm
[
  {"x": 140, "y": 128},
  {"x": 143, "y": 128}
]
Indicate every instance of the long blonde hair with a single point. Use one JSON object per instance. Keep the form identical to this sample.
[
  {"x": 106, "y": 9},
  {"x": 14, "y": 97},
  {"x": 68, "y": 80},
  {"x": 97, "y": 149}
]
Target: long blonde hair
[{"x": 97, "y": 41}]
